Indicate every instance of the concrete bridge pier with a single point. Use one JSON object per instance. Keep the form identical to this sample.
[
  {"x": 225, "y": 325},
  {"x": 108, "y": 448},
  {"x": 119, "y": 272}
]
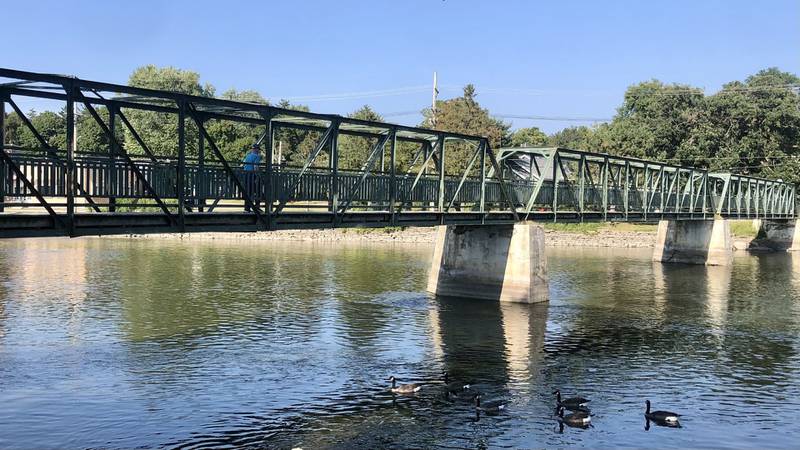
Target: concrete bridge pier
[
  {"x": 694, "y": 242},
  {"x": 495, "y": 262},
  {"x": 778, "y": 234}
]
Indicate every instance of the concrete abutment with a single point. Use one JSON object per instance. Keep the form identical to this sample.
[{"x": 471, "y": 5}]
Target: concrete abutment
[
  {"x": 778, "y": 234},
  {"x": 694, "y": 242},
  {"x": 505, "y": 263}
]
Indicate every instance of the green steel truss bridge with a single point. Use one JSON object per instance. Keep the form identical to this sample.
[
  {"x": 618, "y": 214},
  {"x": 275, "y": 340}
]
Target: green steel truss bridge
[{"x": 404, "y": 176}]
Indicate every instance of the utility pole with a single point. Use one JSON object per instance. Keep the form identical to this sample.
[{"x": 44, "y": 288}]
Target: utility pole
[{"x": 433, "y": 101}]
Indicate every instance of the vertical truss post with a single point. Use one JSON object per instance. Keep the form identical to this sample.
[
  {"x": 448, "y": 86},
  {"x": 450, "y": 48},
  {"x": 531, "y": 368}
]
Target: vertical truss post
[
  {"x": 333, "y": 199},
  {"x": 482, "y": 200},
  {"x": 739, "y": 198},
  {"x": 645, "y": 195},
  {"x": 70, "y": 169},
  {"x": 269, "y": 197},
  {"x": 440, "y": 206},
  {"x": 556, "y": 163},
  {"x": 393, "y": 174},
  {"x": 3, "y": 170},
  {"x": 112, "y": 166},
  {"x": 661, "y": 203},
  {"x": 748, "y": 199},
  {"x": 383, "y": 160},
  {"x": 200, "y": 177},
  {"x": 691, "y": 194},
  {"x": 726, "y": 188},
  {"x": 626, "y": 199},
  {"x": 704, "y": 188},
  {"x": 180, "y": 186},
  {"x": 581, "y": 184},
  {"x": 604, "y": 179}
]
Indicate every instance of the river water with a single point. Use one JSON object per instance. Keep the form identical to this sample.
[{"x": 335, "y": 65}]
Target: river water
[{"x": 147, "y": 343}]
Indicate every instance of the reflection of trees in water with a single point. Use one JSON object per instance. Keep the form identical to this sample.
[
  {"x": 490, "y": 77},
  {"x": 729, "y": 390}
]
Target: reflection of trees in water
[
  {"x": 178, "y": 291},
  {"x": 764, "y": 308},
  {"x": 6, "y": 262},
  {"x": 732, "y": 318},
  {"x": 363, "y": 280}
]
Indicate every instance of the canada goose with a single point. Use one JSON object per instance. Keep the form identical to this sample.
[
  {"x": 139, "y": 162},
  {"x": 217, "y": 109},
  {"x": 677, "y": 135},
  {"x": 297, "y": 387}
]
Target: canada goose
[
  {"x": 454, "y": 387},
  {"x": 404, "y": 388},
  {"x": 580, "y": 419},
  {"x": 494, "y": 406},
  {"x": 660, "y": 417},
  {"x": 572, "y": 403}
]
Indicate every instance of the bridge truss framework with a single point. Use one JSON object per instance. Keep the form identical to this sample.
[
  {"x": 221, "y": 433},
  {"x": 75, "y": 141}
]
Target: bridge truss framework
[{"x": 83, "y": 192}]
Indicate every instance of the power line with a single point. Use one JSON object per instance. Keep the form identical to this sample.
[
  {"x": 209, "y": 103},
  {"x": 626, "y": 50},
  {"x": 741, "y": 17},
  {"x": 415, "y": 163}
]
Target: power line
[
  {"x": 361, "y": 94},
  {"x": 553, "y": 118},
  {"x": 665, "y": 90}
]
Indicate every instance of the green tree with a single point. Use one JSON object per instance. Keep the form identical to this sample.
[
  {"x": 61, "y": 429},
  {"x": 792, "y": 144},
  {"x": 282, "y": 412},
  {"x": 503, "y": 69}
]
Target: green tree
[
  {"x": 52, "y": 126},
  {"x": 528, "y": 137},
  {"x": 295, "y": 145},
  {"x": 575, "y": 138},
  {"x": 13, "y": 128},
  {"x": 465, "y": 115},
  {"x": 160, "y": 130},
  {"x": 752, "y": 127},
  {"x": 652, "y": 121},
  {"x": 234, "y": 139},
  {"x": 354, "y": 150}
]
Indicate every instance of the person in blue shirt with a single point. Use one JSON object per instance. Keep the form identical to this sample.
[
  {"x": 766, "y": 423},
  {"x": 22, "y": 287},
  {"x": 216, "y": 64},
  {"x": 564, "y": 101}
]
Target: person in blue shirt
[
  {"x": 250, "y": 165},
  {"x": 252, "y": 159}
]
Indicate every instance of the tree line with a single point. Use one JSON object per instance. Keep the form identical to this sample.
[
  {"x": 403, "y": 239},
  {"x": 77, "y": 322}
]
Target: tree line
[{"x": 749, "y": 127}]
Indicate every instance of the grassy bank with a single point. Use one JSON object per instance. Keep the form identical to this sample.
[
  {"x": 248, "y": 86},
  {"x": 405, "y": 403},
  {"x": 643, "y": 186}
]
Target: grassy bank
[
  {"x": 598, "y": 227},
  {"x": 743, "y": 229}
]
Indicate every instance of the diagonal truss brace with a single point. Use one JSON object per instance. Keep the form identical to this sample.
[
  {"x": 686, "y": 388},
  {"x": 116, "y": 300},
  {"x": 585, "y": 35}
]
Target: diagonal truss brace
[
  {"x": 239, "y": 185},
  {"x": 310, "y": 160},
  {"x": 139, "y": 175},
  {"x": 14, "y": 167},
  {"x": 478, "y": 150},
  {"x": 365, "y": 171},
  {"x": 50, "y": 151},
  {"x": 407, "y": 196}
]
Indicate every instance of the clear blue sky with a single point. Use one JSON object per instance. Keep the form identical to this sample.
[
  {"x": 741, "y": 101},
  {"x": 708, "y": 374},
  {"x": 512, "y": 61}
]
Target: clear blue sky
[{"x": 554, "y": 59}]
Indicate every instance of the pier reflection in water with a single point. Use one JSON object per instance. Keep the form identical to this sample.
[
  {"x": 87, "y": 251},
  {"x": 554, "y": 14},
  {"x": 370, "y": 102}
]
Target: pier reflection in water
[{"x": 120, "y": 343}]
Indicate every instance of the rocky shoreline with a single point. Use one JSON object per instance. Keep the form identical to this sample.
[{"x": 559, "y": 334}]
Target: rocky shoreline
[
  {"x": 412, "y": 235},
  {"x": 604, "y": 238}
]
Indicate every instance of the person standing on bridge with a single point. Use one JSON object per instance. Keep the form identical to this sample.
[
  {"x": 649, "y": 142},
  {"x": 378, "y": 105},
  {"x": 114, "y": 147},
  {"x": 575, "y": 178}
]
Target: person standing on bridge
[{"x": 250, "y": 165}]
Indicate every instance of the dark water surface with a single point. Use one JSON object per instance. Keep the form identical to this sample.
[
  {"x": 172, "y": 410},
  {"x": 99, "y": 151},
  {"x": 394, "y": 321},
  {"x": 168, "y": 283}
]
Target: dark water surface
[{"x": 118, "y": 343}]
